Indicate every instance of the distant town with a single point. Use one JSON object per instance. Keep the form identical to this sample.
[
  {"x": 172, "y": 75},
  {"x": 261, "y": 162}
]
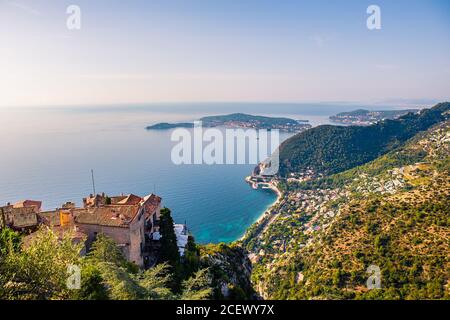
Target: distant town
[
  {"x": 241, "y": 120},
  {"x": 362, "y": 117}
]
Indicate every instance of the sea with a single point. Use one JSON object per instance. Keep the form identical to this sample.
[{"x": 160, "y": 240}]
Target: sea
[{"x": 47, "y": 154}]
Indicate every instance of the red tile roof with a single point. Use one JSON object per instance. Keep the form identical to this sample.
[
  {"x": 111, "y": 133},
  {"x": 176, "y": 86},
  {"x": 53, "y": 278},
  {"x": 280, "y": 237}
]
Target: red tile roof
[
  {"x": 152, "y": 202},
  {"x": 131, "y": 199},
  {"x": 28, "y": 204},
  {"x": 110, "y": 215},
  {"x": 76, "y": 235},
  {"x": 117, "y": 199}
]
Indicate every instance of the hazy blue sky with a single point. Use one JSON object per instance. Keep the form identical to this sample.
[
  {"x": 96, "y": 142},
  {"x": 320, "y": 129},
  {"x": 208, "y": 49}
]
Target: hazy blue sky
[{"x": 222, "y": 50}]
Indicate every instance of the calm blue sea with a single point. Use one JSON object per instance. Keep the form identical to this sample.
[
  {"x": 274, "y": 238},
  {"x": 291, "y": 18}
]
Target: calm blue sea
[{"x": 47, "y": 154}]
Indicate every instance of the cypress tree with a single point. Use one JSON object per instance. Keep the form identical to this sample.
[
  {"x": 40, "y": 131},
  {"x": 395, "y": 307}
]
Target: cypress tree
[{"x": 169, "y": 248}]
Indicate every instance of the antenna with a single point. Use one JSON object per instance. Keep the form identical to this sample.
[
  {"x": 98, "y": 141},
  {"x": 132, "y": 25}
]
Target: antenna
[{"x": 93, "y": 181}]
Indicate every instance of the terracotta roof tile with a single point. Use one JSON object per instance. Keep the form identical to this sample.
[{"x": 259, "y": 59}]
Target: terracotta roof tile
[
  {"x": 50, "y": 218},
  {"x": 111, "y": 215},
  {"x": 152, "y": 202},
  {"x": 131, "y": 199},
  {"x": 28, "y": 204}
]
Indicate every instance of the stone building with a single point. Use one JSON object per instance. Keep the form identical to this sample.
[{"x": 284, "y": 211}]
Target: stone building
[
  {"x": 129, "y": 220},
  {"x": 22, "y": 216}
]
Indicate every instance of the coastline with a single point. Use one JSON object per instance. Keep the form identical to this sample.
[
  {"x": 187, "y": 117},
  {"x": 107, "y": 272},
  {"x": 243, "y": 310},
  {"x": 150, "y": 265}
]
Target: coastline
[{"x": 266, "y": 212}]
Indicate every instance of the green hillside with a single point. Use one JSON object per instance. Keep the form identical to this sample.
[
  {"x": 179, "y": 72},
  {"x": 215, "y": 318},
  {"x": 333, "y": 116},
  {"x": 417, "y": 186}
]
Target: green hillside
[
  {"x": 392, "y": 213},
  {"x": 262, "y": 121},
  {"x": 330, "y": 149}
]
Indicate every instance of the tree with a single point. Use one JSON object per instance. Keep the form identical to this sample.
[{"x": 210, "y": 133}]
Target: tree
[
  {"x": 337, "y": 278},
  {"x": 155, "y": 282},
  {"x": 122, "y": 283},
  {"x": 116, "y": 278},
  {"x": 169, "y": 253},
  {"x": 169, "y": 248},
  {"x": 40, "y": 269},
  {"x": 92, "y": 284},
  {"x": 191, "y": 261},
  {"x": 197, "y": 287},
  {"x": 103, "y": 257},
  {"x": 104, "y": 249},
  {"x": 152, "y": 284},
  {"x": 9, "y": 240}
]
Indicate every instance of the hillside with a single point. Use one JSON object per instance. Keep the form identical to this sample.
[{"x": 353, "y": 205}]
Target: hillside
[
  {"x": 241, "y": 120},
  {"x": 392, "y": 213},
  {"x": 242, "y": 117},
  {"x": 167, "y": 126},
  {"x": 366, "y": 117},
  {"x": 229, "y": 271},
  {"x": 331, "y": 149}
]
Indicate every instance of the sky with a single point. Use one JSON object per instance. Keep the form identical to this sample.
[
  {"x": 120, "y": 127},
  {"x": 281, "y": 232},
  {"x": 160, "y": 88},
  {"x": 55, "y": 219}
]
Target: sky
[{"x": 223, "y": 50}]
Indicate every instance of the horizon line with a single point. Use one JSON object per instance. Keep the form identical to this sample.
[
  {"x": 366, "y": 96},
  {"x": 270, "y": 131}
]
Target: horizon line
[{"x": 391, "y": 101}]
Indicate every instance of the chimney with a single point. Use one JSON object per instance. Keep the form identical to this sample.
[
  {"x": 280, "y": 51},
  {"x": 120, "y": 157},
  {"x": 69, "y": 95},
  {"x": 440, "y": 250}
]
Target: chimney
[
  {"x": 65, "y": 217},
  {"x": 68, "y": 205}
]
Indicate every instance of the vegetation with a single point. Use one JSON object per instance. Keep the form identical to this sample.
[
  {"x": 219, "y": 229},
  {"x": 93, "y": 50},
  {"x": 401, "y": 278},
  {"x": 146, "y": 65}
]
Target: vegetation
[
  {"x": 242, "y": 117},
  {"x": 41, "y": 266},
  {"x": 259, "y": 122},
  {"x": 410, "y": 251},
  {"x": 9, "y": 241},
  {"x": 391, "y": 213},
  {"x": 167, "y": 126},
  {"x": 331, "y": 149},
  {"x": 322, "y": 240},
  {"x": 229, "y": 271},
  {"x": 40, "y": 270},
  {"x": 169, "y": 248},
  {"x": 191, "y": 259}
]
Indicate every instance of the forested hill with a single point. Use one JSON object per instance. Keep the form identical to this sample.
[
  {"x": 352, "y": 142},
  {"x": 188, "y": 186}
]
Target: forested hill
[
  {"x": 385, "y": 222},
  {"x": 331, "y": 149}
]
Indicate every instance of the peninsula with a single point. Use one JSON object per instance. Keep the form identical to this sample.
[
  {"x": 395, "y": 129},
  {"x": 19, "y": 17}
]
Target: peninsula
[{"x": 241, "y": 120}]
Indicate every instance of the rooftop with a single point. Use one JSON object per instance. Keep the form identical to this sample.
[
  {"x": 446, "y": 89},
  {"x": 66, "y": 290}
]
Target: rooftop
[
  {"x": 152, "y": 202},
  {"x": 28, "y": 204},
  {"x": 110, "y": 215},
  {"x": 19, "y": 217},
  {"x": 131, "y": 199}
]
